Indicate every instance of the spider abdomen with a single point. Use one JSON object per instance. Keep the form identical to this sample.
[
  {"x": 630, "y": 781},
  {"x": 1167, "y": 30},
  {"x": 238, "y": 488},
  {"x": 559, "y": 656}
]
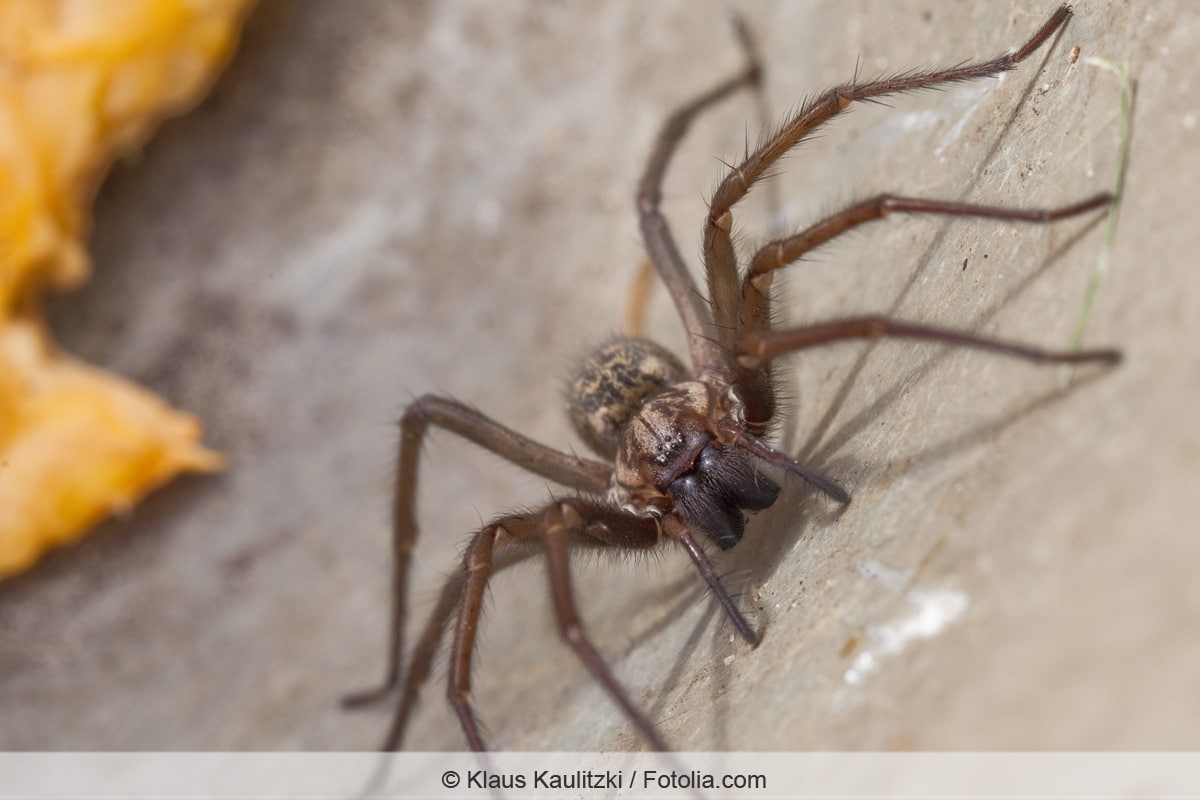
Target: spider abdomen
[{"x": 612, "y": 383}]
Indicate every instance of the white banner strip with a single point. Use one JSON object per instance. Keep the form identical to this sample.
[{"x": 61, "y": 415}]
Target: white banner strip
[{"x": 444, "y": 776}]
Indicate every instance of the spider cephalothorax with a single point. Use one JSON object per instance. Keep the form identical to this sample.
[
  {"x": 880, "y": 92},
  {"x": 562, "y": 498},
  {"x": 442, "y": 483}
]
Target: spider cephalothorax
[
  {"x": 669, "y": 455},
  {"x": 682, "y": 444}
]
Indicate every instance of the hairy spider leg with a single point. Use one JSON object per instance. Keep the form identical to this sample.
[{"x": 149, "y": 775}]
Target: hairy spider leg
[
  {"x": 421, "y": 664},
  {"x": 783, "y": 252},
  {"x": 569, "y": 521},
  {"x": 642, "y": 287},
  {"x": 753, "y": 385},
  {"x": 552, "y": 530},
  {"x": 562, "y": 468},
  {"x": 674, "y": 528},
  {"x": 758, "y": 345},
  {"x": 660, "y": 244}
]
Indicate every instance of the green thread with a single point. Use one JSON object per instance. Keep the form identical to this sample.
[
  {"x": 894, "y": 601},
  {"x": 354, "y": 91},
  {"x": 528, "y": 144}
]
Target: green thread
[{"x": 1110, "y": 234}]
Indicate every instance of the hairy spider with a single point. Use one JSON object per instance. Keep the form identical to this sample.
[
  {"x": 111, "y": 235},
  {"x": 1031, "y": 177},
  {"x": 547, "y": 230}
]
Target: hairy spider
[{"x": 683, "y": 445}]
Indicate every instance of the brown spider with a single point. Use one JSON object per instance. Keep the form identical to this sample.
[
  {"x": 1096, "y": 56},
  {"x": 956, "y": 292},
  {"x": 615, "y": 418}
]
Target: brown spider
[{"x": 683, "y": 447}]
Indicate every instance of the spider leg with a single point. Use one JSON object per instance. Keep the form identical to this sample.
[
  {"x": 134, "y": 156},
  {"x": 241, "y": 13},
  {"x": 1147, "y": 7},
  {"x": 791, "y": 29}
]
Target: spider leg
[
  {"x": 420, "y": 666},
  {"x": 756, "y": 285},
  {"x": 656, "y": 232},
  {"x": 782, "y": 252},
  {"x": 638, "y": 300},
  {"x": 563, "y": 468},
  {"x": 719, "y": 257},
  {"x": 761, "y": 450},
  {"x": 567, "y": 521},
  {"x": 577, "y": 521},
  {"x": 758, "y": 346},
  {"x": 477, "y": 562},
  {"x": 423, "y": 655},
  {"x": 679, "y": 532}
]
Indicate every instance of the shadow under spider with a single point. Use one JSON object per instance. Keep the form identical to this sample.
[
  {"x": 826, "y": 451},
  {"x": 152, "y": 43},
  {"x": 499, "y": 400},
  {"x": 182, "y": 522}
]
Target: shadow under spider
[{"x": 859, "y": 422}]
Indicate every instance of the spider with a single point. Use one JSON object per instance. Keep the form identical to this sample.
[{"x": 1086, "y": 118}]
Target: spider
[{"x": 684, "y": 446}]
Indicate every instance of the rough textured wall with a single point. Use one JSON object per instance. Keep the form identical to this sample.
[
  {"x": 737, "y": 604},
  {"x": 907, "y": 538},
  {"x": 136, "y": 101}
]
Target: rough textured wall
[{"x": 389, "y": 199}]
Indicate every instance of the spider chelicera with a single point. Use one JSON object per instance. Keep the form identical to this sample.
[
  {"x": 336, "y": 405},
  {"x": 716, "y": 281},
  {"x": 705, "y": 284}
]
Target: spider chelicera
[{"x": 684, "y": 445}]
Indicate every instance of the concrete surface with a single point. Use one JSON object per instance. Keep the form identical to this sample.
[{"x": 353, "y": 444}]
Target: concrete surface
[{"x": 383, "y": 199}]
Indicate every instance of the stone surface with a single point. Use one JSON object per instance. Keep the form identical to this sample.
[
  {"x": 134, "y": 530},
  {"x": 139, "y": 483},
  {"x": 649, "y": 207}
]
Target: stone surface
[{"x": 385, "y": 199}]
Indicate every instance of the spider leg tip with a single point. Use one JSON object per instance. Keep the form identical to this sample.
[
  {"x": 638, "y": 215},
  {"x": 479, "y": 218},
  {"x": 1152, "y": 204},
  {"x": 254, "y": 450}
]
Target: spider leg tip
[
  {"x": 359, "y": 700},
  {"x": 837, "y": 493}
]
